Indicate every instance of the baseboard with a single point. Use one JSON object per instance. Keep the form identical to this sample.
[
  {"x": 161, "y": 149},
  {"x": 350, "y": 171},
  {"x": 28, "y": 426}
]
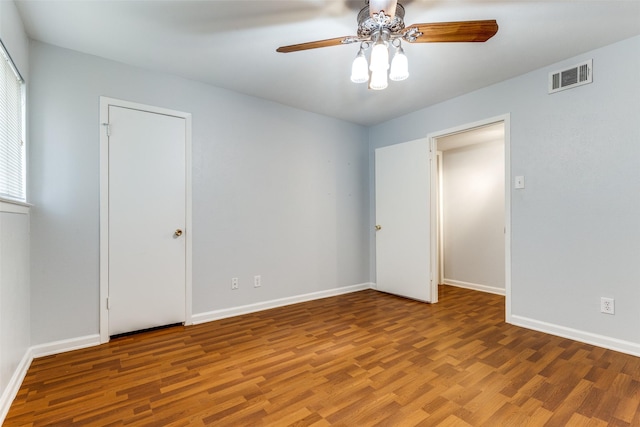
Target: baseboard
[
  {"x": 65, "y": 345},
  {"x": 92, "y": 340},
  {"x": 603, "y": 341},
  {"x": 474, "y": 286},
  {"x": 11, "y": 390},
  {"x": 266, "y": 305}
]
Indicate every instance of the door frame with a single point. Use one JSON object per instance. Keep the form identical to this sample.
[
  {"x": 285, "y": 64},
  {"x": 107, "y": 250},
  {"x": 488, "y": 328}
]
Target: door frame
[
  {"x": 440, "y": 224},
  {"x": 105, "y": 102},
  {"x": 434, "y": 193}
]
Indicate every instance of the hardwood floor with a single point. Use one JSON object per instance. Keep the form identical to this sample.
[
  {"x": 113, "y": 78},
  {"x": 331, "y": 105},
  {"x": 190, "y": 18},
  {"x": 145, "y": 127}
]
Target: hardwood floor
[{"x": 362, "y": 359}]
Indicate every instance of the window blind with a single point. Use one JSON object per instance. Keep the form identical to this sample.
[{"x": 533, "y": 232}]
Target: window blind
[{"x": 12, "y": 149}]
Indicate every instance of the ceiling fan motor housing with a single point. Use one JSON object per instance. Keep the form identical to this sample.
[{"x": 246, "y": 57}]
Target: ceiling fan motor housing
[{"x": 368, "y": 25}]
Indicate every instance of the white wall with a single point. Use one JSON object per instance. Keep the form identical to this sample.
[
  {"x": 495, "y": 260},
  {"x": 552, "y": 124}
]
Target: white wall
[
  {"x": 14, "y": 36},
  {"x": 276, "y": 191},
  {"x": 473, "y": 219},
  {"x": 14, "y": 245},
  {"x": 14, "y": 289},
  {"x": 575, "y": 229}
]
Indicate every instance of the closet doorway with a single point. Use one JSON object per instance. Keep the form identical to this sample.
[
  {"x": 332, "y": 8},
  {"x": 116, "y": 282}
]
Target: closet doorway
[
  {"x": 470, "y": 206},
  {"x": 145, "y": 217}
]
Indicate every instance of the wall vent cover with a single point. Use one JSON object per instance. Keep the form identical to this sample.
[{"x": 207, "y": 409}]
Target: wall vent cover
[{"x": 575, "y": 76}]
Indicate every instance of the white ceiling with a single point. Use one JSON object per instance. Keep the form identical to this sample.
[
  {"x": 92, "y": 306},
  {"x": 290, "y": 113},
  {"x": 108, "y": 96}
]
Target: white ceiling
[{"x": 231, "y": 44}]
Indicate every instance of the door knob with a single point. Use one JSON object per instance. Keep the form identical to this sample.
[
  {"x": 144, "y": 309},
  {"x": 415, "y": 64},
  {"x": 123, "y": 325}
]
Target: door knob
[
  {"x": 378, "y": 227},
  {"x": 178, "y": 233}
]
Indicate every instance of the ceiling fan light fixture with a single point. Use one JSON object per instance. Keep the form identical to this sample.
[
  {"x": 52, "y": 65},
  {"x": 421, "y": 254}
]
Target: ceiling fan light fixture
[
  {"x": 399, "y": 66},
  {"x": 379, "y": 80},
  {"x": 360, "y": 68},
  {"x": 380, "y": 23}
]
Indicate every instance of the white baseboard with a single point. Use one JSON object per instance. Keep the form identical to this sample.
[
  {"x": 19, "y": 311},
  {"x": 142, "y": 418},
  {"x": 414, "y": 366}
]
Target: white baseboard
[
  {"x": 474, "y": 286},
  {"x": 11, "y": 391},
  {"x": 615, "y": 344},
  {"x": 62, "y": 346},
  {"x": 265, "y": 305}
]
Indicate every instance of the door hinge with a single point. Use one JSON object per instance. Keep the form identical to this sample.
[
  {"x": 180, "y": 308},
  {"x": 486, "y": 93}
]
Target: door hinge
[
  {"x": 107, "y": 126},
  {"x": 108, "y": 303}
]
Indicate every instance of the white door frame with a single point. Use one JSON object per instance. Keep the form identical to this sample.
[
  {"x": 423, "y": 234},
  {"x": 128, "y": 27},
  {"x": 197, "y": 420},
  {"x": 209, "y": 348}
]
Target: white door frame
[
  {"x": 433, "y": 137},
  {"x": 105, "y": 102},
  {"x": 440, "y": 265}
]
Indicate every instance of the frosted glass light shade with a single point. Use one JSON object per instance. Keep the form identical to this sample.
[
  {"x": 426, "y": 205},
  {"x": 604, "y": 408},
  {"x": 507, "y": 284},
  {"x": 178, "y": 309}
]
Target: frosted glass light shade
[
  {"x": 388, "y": 6},
  {"x": 360, "y": 69},
  {"x": 379, "y": 57},
  {"x": 399, "y": 66},
  {"x": 379, "y": 80}
]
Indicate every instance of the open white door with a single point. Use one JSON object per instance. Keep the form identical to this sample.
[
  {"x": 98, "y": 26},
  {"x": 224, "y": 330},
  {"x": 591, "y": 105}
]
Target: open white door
[{"x": 402, "y": 174}]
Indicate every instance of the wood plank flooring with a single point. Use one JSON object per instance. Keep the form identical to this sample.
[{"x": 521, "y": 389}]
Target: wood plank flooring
[{"x": 362, "y": 359}]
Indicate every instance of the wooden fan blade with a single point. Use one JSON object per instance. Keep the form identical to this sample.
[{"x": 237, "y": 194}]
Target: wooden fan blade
[
  {"x": 462, "y": 31},
  {"x": 319, "y": 43}
]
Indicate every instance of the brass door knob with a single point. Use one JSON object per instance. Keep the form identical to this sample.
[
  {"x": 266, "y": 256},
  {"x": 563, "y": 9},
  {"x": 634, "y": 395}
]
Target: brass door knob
[
  {"x": 178, "y": 233},
  {"x": 378, "y": 227}
]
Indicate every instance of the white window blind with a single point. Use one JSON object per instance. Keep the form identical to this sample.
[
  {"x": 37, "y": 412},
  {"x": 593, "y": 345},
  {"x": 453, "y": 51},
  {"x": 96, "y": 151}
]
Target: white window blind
[{"x": 12, "y": 149}]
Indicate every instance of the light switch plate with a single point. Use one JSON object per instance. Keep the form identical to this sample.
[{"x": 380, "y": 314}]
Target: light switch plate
[{"x": 519, "y": 182}]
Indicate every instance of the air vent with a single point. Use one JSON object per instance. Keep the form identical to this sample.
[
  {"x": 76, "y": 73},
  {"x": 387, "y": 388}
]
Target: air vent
[{"x": 575, "y": 76}]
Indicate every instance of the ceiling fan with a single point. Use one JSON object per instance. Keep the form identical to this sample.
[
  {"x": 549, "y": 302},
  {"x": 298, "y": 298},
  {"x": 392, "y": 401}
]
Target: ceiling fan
[{"x": 380, "y": 23}]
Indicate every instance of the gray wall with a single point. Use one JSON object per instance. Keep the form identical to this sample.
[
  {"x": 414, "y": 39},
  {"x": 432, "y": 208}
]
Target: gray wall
[
  {"x": 14, "y": 237},
  {"x": 14, "y": 37},
  {"x": 473, "y": 217},
  {"x": 285, "y": 193},
  {"x": 276, "y": 191},
  {"x": 14, "y": 292},
  {"x": 575, "y": 228}
]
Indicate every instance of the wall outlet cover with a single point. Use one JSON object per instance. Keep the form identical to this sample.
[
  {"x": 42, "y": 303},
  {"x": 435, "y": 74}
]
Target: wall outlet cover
[{"x": 607, "y": 305}]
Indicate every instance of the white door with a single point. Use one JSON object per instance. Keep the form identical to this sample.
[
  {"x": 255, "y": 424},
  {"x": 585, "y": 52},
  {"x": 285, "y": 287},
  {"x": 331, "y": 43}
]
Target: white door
[
  {"x": 402, "y": 220},
  {"x": 147, "y": 217}
]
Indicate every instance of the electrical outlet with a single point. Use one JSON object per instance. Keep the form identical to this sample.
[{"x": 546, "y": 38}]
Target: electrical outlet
[
  {"x": 607, "y": 305},
  {"x": 234, "y": 283},
  {"x": 257, "y": 282}
]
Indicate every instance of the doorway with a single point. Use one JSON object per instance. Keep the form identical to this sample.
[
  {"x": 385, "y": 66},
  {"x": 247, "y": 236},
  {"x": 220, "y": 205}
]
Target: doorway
[
  {"x": 145, "y": 217},
  {"x": 472, "y": 224}
]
